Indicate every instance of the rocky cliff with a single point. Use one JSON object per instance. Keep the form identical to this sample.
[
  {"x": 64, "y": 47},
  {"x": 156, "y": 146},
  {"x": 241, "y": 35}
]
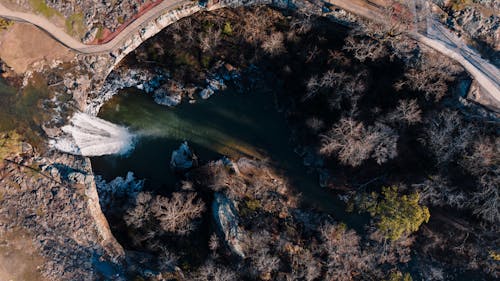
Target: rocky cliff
[{"x": 52, "y": 200}]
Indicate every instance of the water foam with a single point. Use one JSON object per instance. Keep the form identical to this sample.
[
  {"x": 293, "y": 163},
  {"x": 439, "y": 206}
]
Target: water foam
[{"x": 91, "y": 136}]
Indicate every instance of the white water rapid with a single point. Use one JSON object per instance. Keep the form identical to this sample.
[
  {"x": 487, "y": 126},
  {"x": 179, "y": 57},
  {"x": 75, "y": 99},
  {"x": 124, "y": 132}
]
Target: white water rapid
[{"x": 91, "y": 136}]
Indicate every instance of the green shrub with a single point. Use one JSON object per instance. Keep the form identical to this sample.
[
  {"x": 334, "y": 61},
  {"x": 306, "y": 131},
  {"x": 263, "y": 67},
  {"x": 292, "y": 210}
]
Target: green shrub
[
  {"x": 100, "y": 32},
  {"x": 396, "y": 215},
  {"x": 41, "y": 7},
  {"x": 398, "y": 276},
  {"x": 253, "y": 204},
  {"x": 228, "y": 29},
  {"x": 74, "y": 24},
  {"x": 458, "y": 5},
  {"x": 4, "y": 24},
  {"x": 205, "y": 61}
]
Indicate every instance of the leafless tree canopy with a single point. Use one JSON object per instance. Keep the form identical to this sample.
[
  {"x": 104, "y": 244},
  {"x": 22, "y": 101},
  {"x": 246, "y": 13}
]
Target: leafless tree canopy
[
  {"x": 386, "y": 36},
  {"x": 354, "y": 143},
  {"x": 210, "y": 39},
  {"x": 345, "y": 260},
  {"x": 447, "y": 136},
  {"x": 437, "y": 191},
  {"x": 431, "y": 75},
  {"x": 484, "y": 156},
  {"x": 175, "y": 214},
  {"x": 364, "y": 49},
  {"x": 213, "y": 272},
  {"x": 273, "y": 44},
  {"x": 137, "y": 217},
  {"x": 487, "y": 199},
  {"x": 407, "y": 112}
]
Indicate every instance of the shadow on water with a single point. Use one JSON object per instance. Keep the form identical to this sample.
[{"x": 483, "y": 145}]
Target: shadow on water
[{"x": 229, "y": 123}]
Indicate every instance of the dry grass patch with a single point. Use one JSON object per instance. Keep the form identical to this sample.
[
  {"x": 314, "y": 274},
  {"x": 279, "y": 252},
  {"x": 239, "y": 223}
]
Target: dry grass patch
[
  {"x": 22, "y": 45},
  {"x": 18, "y": 259}
]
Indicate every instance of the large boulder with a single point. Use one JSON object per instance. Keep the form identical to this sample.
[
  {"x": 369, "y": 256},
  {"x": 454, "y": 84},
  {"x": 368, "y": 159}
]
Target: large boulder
[
  {"x": 164, "y": 97},
  {"x": 227, "y": 222},
  {"x": 183, "y": 158}
]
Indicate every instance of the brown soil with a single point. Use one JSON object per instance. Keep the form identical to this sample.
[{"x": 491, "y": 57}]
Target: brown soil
[
  {"x": 18, "y": 259},
  {"x": 22, "y": 45}
]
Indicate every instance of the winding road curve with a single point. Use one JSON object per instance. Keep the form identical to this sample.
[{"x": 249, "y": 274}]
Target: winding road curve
[
  {"x": 60, "y": 35},
  {"x": 442, "y": 40},
  {"x": 436, "y": 37}
]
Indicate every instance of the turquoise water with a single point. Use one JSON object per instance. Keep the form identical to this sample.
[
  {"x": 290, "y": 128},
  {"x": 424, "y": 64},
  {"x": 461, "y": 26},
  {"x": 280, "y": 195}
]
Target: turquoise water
[{"x": 230, "y": 124}]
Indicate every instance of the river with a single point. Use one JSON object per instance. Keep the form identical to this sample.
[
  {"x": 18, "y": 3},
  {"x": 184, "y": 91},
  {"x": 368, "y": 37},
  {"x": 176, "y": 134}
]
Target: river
[{"x": 231, "y": 124}]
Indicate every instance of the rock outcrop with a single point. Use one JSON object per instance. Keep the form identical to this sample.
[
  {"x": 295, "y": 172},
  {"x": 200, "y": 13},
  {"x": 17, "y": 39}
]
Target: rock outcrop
[
  {"x": 226, "y": 220},
  {"x": 54, "y": 200},
  {"x": 183, "y": 158}
]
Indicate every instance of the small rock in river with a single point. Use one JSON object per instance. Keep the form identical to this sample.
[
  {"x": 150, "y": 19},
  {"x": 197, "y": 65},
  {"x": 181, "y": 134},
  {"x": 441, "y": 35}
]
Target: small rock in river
[{"x": 183, "y": 159}]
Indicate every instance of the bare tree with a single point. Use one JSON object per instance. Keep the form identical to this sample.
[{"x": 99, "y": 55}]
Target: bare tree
[
  {"x": 348, "y": 88},
  {"x": 393, "y": 252},
  {"x": 313, "y": 85},
  {"x": 304, "y": 265},
  {"x": 209, "y": 40},
  {"x": 345, "y": 85},
  {"x": 347, "y": 139},
  {"x": 345, "y": 259},
  {"x": 254, "y": 25},
  {"x": 332, "y": 78},
  {"x": 431, "y": 75},
  {"x": 264, "y": 263},
  {"x": 167, "y": 260},
  {"x": 487, "y": 199},
  {"x": 138, "y": 216},
  {"x": 364, "y": 49},
  {"x": 175, "y": 214},
  {"x": 315, "y": 124},
  {"x": 337, "y": 57},
  {"x": 407, "y": 111},
  {"x": 274, "y": 44},
  {"x": 484, "y": 157},
  {"x": 483, "y": 161},
  {"x": 302, "y": 24},
  {"x": 437, "y": 191},
  {"x": 213, "y": 243},
  {"x": 212, "y": 272},
  {"x": 447, "y": 136},
  {"x": 353, "y": 143},
  {"x": 385, "y": 141},
  {"x": 386, "y": 35}
]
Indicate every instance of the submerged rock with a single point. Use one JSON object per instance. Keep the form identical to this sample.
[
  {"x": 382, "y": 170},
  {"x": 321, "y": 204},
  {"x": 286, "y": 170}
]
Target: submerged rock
[
  {"x": 216, "y": 79},
  {"x": 213, "y": 85},
  {"x": 183, "y": 158},
  {"x": 206, "y": 93},
  {"x": 164, "y": 97},
  {"x": 227, "y": 222}
]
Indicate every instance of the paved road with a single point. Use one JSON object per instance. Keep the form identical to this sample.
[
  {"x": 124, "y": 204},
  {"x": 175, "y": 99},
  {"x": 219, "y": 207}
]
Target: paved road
[
  {"x": 442, "y": 40},
  {"x": 485, "y": 73},
  {"x": 436, "y": 37},
  {"x": 60, "y": 35}
]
